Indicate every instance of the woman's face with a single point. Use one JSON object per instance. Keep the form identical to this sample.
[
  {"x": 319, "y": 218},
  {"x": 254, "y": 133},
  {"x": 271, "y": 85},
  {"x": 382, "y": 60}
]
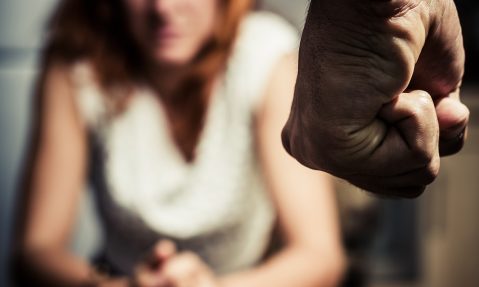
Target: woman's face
[{"x": 172, "y": 32}]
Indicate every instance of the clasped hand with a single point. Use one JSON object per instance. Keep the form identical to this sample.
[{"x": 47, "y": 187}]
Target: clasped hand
[{"x": 167, "y": 268}]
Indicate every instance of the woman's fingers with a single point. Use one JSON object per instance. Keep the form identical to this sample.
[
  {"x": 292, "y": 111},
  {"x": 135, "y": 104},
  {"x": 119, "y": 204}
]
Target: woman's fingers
[
  {"x": 187, "y": 269},
  {"x": 165, "y": 249},
  {"x": 162, "y": 251},
  {"x": 149, "y": 272},
  {"x": 145, "y": 276},
  {"x": 166, "y": 268},
  {"x": 183, "y": 269}
]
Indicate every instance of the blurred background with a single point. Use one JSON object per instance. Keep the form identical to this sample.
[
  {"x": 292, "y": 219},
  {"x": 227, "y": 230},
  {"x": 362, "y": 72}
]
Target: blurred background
[{"x": 432, "y": 241}]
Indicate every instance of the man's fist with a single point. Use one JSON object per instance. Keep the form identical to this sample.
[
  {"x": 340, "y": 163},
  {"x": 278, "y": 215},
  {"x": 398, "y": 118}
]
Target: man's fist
[{"x": 377, "y": 94}]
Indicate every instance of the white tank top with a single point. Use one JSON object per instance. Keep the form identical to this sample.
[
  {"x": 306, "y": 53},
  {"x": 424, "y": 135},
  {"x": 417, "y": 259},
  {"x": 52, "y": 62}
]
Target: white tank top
[{"x": 215, "y": 206}]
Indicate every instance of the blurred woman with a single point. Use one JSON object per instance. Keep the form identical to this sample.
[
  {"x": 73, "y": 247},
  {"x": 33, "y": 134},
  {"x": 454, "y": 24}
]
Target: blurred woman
[{"x": 173, "y": 109}]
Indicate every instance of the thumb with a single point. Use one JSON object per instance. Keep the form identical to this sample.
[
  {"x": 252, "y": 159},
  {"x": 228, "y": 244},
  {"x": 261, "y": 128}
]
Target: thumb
[
  {"x": 164, "y": 250},
  {"x": 453, "y": 117}
]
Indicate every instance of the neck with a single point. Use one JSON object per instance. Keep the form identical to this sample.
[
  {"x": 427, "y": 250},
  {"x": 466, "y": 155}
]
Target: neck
[{"x": 166, "y": 80}]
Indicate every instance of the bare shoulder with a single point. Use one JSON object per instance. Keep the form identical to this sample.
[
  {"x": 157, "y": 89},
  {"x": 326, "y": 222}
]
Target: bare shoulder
[
  {"x": 56, "y": 104},
  {"x": 55, "y": 83},
  {"x": 56, "y": 73},
  {"x": 287, "y": 66},
  {"x": 280, "y": 88}
]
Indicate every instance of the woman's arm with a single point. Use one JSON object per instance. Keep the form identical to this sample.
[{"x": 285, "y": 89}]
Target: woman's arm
[
  {"x": 56, "y": 181},
  {"x": 304, "y": 199}
]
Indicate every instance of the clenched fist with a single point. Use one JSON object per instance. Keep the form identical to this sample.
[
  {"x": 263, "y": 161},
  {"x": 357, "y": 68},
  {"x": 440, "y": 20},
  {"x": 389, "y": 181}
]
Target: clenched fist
[{"x": 377, "y": 93}]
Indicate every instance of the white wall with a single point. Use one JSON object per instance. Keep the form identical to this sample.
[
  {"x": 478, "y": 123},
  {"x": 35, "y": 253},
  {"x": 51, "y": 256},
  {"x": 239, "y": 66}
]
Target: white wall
[{"x": 293, "y": 10}]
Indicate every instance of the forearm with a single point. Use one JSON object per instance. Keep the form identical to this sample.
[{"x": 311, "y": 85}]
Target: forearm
[
  {"x": 56, "y": 267},
  {"x": 294, "y": 266}
]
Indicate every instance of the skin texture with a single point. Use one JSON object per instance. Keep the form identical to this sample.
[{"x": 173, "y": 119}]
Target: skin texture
[
  {"x": 377, "y": 93},
  {"x": 306, "y": 212}
]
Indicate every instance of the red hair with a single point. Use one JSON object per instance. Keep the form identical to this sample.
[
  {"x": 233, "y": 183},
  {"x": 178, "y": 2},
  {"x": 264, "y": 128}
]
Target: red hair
[{"x": 94, "y": 30}]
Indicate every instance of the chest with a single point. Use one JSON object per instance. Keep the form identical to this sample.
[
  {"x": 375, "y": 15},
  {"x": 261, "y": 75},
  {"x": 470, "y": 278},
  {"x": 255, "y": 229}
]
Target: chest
[{"x": 141, "y": 155}]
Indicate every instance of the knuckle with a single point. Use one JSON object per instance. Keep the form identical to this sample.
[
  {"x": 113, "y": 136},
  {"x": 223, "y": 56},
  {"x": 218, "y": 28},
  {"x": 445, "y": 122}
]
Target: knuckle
[
  {"x": 421, "y": 154},
  {"x": 423, "y": 103},
  {"x": 431, "y": 172},
  {"x": 467, "y": 115},
  {"x": 423, "y": 97},
  {"x": 419, "y": 103},
  {"x": 304, "y": 158},
  {"x": 285, "y": 138},
  {"x": 294, "y": 144}
]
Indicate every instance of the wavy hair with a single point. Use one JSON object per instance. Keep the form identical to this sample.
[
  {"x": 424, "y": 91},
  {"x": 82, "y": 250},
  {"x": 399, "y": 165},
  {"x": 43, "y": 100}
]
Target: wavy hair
[{"x": 95, "y": 30}]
